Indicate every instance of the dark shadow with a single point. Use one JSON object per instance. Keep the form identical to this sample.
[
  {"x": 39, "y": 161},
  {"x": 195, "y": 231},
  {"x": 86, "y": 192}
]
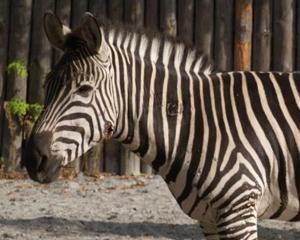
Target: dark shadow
[
  {"x": 66, "y": 227},
  {"x": 278, "y": 234}
]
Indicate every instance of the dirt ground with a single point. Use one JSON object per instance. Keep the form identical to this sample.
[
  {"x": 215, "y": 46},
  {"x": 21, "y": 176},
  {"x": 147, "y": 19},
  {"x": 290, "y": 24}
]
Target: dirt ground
[{"x": 107, "y": 208}]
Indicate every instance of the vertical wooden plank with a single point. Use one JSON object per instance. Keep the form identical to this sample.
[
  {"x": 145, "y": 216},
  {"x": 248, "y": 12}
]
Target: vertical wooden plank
[
  {"x": 96, "y": 158},
  {"x": 112, "y": 156},
  {"x": 262, "y": 20},
  {"x": 40, "y": 52},
  {"x": 115, "y": 10},
  {"x": 19, "y": 38},
  {"x": 63, "y": 11},
  {"x": 152, "y": 14},
  {"x": 185, "y": 20},
  {"x": 112, "y": 148},
  {"x": 79, "y": 7},
  {"x": 204, "y": 22},
  {"x": 297, "y": 40},
  {"x": 134, "y": 14},
  {"x": 243, "y": 34},
  {"x": 223, "y": 39},
  {"x": 4, "y": 23},
  {"x": 283, "y": 25},
  {"x": 168, "y": 23},
  {"x": 98, "y": 8}
]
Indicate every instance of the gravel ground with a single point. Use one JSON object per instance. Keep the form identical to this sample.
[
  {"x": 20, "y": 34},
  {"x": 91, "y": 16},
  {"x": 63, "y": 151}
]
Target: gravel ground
[{"x": 109, "y": 208}]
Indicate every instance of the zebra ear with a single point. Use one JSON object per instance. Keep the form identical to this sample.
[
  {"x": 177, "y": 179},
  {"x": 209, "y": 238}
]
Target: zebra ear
[
  {"x": 56, "y": 32},
  {"x": 90, "y": 31}
]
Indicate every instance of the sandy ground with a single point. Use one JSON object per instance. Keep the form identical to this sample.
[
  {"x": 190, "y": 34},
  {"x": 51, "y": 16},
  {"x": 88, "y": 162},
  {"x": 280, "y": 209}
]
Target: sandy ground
[{"x": 108, "y": 208}]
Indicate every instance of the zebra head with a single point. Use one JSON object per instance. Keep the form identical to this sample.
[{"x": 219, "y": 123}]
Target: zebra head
[{"x": 78, "y": 110}]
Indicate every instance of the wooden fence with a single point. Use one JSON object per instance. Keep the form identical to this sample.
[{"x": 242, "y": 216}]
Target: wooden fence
[{"x": 236, "y": 34}]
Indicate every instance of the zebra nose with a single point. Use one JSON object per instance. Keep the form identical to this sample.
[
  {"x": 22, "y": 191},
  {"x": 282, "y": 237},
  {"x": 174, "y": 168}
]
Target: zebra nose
[{"x": 39, "y": 163}]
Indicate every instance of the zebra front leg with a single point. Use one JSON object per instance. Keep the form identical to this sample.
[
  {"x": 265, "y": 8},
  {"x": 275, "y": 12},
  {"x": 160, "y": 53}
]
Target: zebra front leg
[
  {"x": 209, "y": 230},
  {"x": 240, "y": 224}
]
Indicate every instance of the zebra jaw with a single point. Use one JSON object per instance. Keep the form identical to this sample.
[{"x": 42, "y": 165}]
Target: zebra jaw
[{"x": 108, "y": 130}]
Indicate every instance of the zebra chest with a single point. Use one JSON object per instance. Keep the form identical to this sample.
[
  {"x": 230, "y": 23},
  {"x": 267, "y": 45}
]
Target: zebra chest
[{"x": 190, "y": 203}]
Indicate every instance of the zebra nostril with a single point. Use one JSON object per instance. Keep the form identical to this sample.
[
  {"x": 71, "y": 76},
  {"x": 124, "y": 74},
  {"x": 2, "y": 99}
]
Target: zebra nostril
[{"x": 43, "y": 163}]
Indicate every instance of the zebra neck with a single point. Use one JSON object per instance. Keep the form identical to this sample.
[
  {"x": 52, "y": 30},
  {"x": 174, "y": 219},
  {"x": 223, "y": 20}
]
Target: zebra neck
[
  {"x": 152, "y": 88},
  {"x": 153, "y": 78}
]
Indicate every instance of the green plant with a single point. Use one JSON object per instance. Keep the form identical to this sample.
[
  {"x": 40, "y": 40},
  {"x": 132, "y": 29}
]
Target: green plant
[
  {"x": 18, "y": 66},
  {"x": 18, "y": 107},
  {"x": 34, "y": 111}
]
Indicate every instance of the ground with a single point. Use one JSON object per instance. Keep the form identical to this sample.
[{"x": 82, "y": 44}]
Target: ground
[{"x": 106, "y": 208}]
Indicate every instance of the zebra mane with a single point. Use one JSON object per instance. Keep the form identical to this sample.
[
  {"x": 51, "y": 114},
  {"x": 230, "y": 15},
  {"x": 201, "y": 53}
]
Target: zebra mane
[{"x": 196, "y": 61}]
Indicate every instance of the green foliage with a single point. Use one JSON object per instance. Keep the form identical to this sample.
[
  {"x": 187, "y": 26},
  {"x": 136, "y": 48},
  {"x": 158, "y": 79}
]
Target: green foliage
[
  {"x": 1, "y": 161},
  {"x": 34, "y": 110},
  {"x": 18, "y": 67},
  {"x": 21, "y": 109},
  {"x": 18, "y": 107}
]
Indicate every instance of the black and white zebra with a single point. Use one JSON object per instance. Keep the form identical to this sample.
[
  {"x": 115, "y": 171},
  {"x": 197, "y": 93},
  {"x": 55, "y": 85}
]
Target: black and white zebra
[{"x": 227, "y": 144}]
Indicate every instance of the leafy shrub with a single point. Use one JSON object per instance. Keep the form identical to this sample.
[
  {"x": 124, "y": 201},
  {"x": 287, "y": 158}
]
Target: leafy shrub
[
  {"x": 34, "y": 111},
  {"x": 18, "y": 107},
  {"x": 18, "y": 67}
]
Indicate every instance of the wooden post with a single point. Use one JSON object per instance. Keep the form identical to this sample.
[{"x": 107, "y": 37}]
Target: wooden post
[
  {"x": 115, "y": 10},
  {"x": 4, "y": 23},
  {"x": 243, "y": 34},
  {"x": 297, "y": 42},
  {"x": 223, "y": 40},
  {"x": 283, "y": 26},
  {"x": 112, "y": 148},
  {"x": 262, "y": 23},
  {"x": 40, "y": 52},
  {"x": 63, "y": 11},
  {"x": 95, "y": 156},
  {"x": 185, "y": 20},
  {"x": 151, "y": 14},
  {"x": 204, "y": 22},
  {"x": 98, "y": 8},
  {"x": 19, "y": 38},
  {"x": 168, "y": 23},
  {"x": 78, "y": 8},
  {"x": 131, "y": 164}
]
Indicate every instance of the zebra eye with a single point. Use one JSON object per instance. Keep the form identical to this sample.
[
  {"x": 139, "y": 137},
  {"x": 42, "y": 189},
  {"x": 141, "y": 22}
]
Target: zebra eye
[{"x": 84, "y": 90}]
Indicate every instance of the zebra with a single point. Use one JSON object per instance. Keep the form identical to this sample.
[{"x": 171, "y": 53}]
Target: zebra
[{"x": 227, "y": 144}]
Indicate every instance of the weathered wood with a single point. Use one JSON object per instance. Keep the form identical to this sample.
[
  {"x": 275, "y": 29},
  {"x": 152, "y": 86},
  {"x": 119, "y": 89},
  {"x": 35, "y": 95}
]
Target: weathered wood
[
  {"x": 168, "y": 23},
  {"x": 19, "y": 39},
  {"x": 79, "y": 7},
  {"x": 134, "y": 14},
  {"x": 40, "y": 52},
  {"x": 297, "y": 34},
  {"x": 4, "y": 23},
  {"x": 98, "y": 8},
  {"x": 151, "y": 14},
  {"x": 283, "y": 25},
  {"x": 112, "y": 149},
  {"x": 243, "y": 34},
  {"x": 115, "y": 10},
  {"x": 63, "y": 11},
  {"x": 223, "y": 40},
  {"x": 112, "y": 156},
  {"x": 185, "y": 20},
  {"x": 204, "y": 26},
  {"x": 262, "y": 24}
]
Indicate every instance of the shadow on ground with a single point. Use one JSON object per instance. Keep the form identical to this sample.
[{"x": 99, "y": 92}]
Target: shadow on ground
[{"x": 66, "y": 227}]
